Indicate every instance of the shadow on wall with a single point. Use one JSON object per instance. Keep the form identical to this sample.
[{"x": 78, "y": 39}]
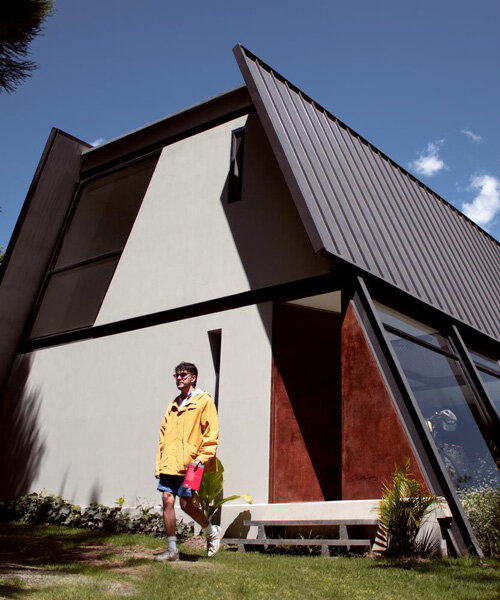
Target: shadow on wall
[
  {"x": 95, "y": 492},
  {"x": 268, "y": 233},
  {"x": 21, "y": 444},
  {"x": 237, "y": 529}
]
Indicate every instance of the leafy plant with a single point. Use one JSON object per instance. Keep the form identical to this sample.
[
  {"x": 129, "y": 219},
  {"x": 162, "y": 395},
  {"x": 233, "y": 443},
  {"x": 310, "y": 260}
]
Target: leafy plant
[
  {"x": 209, "y": 496},
  {"x": 482, "y": 507},
  {"x": 40, "y": 509},
  {"x": 99, "y": 516},
  {"x": 402, "y": 511}
]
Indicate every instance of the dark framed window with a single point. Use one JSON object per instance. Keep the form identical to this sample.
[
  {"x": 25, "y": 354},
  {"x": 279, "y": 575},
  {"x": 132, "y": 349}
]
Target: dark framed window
[
  {"x": 235, "y": 180},
  {"x": 95, "y": 234},
  {"x": 446, "y": 399},
  {"x": 489, "y": 370}
]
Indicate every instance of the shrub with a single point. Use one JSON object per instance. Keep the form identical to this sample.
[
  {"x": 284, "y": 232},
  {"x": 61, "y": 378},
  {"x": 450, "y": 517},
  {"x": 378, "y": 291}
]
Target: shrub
[
  {"x": 404, "y": 506},
  {"x": 482, "y": 507},
  {"x": 99, "y": 516},
  {"x": 40, "y": 509}
]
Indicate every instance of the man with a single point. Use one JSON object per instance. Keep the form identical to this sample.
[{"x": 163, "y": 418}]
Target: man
[{"x": 189, "y": 433}]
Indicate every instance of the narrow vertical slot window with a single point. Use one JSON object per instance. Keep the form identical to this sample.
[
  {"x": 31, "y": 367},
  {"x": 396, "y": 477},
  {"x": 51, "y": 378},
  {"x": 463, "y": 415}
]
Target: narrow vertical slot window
[
  {"x": 215, "y": 339},
  {"x": 236, "y": 166}
]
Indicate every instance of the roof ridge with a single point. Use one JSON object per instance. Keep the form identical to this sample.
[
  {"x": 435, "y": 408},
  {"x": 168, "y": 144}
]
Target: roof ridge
[{"x": 382, "y": 154}]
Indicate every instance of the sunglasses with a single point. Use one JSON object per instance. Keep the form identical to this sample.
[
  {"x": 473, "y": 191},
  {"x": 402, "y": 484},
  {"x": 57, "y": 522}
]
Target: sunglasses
[{"x": 180, "y": 375}]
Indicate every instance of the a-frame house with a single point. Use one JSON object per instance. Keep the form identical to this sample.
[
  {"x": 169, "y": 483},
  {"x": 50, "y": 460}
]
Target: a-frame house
[{"x": 334, "y": 304}]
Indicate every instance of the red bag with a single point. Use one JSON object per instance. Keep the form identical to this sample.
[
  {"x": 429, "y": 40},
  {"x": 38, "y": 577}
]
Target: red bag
[{"x": 193, "y": 477}]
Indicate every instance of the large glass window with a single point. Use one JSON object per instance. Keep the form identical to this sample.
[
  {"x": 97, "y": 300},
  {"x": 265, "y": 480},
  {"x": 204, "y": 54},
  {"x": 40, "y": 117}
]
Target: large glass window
[
  {"x": 489, "y": 370},
  {"x": 492, "y": 385},
  {"x": 99, "y": 226},
  {"x": 447, "y": 404},
  {"x": 412, "y": 327},
  {"x": 445, "y": 399}
]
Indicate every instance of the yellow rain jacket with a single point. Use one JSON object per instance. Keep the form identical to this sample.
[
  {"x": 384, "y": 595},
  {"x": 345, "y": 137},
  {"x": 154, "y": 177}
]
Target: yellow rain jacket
[{"x": 188, "y": 434}]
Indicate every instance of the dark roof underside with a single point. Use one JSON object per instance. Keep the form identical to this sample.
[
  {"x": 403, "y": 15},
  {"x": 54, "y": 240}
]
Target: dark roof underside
[{"x": 363, "y": 208}]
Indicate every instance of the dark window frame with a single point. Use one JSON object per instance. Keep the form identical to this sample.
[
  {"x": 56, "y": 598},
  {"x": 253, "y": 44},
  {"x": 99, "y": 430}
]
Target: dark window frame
[
  {"x": 235, "y": 178},
  {"x": 482, "y": 408},
  {"x": 53, "y": 270}
]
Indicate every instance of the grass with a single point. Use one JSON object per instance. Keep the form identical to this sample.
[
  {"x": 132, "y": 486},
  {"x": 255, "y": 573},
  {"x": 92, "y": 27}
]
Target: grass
[{"x": 42, "y": 563}]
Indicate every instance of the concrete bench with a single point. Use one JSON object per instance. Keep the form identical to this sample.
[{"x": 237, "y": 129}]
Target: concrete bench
[{"x": 342, "y": 541}]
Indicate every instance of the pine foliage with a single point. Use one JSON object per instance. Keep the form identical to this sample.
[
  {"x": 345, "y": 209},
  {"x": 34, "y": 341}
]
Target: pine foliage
[{"x": 20, "y": 22}]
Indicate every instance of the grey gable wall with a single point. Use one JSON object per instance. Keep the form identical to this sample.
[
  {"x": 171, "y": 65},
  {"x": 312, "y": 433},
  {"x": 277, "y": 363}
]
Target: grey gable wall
[{"x": 362, "y": 208}]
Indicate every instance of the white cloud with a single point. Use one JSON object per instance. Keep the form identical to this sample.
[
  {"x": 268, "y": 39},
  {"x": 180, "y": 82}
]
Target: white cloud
[
  {"x": 97, "y": 142},
  {"x": 486, "y": 204},
  {"x": 474, "y": 137},
  {"x": 428, "y": 162}
]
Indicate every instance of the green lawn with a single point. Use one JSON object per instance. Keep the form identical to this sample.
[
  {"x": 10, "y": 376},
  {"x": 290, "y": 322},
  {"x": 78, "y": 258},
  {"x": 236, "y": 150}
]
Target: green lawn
[{"x": 58, "y": 563}]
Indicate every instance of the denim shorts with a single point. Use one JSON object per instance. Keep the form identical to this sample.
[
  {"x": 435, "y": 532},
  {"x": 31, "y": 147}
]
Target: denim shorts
[{"x": 173, "y": 484}]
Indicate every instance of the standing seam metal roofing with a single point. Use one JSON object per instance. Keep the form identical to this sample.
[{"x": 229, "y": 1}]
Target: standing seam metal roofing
[{"x": 359, "y": 205}]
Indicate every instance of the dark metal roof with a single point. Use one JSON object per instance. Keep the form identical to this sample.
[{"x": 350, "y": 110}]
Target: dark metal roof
[{"x": 360, "y": 206}]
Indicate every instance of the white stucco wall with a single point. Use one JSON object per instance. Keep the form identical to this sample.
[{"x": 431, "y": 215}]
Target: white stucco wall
[
  {"x": 189, "y": 245},
  {"x": 101, "y": 401}
]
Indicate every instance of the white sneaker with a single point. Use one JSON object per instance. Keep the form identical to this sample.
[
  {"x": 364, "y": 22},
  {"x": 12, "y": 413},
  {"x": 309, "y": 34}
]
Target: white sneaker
[
  {"x": 213, "y": 541},
  {"x": 167, "y": 556}
]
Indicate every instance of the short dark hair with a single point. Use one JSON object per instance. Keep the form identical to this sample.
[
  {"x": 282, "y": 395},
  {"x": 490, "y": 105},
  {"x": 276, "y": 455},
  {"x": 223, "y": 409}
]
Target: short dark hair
[{"x": 187, "y": 366}]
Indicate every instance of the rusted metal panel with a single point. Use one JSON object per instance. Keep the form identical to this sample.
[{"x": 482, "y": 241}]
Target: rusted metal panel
[
  {"x": 360, "y": 206},
  {"x": 373, "y": 437}
]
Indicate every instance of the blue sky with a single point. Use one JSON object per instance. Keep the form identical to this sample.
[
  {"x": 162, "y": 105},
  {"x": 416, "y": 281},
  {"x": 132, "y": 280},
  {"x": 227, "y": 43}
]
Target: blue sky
[{"x": 420, "y": 80}]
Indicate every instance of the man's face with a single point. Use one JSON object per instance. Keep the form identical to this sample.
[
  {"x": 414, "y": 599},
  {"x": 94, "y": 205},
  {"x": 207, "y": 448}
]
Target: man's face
[{"x": 184, "y": 380}]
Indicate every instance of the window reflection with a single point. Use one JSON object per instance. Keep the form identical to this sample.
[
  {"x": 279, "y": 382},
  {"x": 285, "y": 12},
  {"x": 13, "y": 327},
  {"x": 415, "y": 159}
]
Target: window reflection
[
  {"x": 492, "y": 385},
  {"x": 412, "y": 327},
  {"x": 438, "y": 385},
  {"x": 103, "y": 217},
  {"x": 486, "y": 361},
  {"x": 106, "y": 210}
]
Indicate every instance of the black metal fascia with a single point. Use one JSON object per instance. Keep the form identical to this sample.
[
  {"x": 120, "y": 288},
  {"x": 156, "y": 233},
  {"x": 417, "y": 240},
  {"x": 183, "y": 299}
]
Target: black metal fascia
[
  {"x": 190, "y": 121},
  {"x": 418, "y": 433},
  {"x": 282, "y": 292},
  {"x": 485, "y": 405}
]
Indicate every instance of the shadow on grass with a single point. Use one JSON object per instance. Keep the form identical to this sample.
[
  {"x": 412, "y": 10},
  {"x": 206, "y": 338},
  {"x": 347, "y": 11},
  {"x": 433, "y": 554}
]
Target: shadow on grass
[
  {"x": 12, "y": 591},
  {"x": 191, "y": 557},
  {"x": 69, "y": 551}
]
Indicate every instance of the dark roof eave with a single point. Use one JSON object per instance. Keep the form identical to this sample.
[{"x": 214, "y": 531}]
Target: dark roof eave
[
  {"x": 238, "y": 50},
  {"x": 198, "y": 117}
]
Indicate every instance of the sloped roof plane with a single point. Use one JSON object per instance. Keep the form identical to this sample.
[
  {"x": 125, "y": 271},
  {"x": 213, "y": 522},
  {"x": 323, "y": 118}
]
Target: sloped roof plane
[{"x": 361, "y": 207}]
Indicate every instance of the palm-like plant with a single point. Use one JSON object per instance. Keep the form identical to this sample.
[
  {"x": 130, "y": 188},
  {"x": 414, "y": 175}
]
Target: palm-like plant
[
  {"x": 209, "y": 496},
  {"x": 403, "y": 509}
]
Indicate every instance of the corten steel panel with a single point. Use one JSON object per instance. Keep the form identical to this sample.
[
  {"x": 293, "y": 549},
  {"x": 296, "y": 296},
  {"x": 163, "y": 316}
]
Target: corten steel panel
[
  {"x": 373, "y": 438},
  {"x": 34, "y": 238},
  {"x": 305, "y": 423},
  {"x": 363, "y": 208}
]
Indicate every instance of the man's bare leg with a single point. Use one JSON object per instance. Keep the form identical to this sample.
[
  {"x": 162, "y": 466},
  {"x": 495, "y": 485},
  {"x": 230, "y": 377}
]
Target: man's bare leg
[
  {"x": 171, "y": 553},
  {"x": 212, "y": 532},
  {"x": 169, "y": 514},
  {"x": 193, "y": 511}
]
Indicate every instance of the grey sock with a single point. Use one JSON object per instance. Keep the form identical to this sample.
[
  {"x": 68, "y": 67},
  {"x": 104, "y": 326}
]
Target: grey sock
[
  {"x": 208, "y": 530},
  {"x": 172, "y": 543}
]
